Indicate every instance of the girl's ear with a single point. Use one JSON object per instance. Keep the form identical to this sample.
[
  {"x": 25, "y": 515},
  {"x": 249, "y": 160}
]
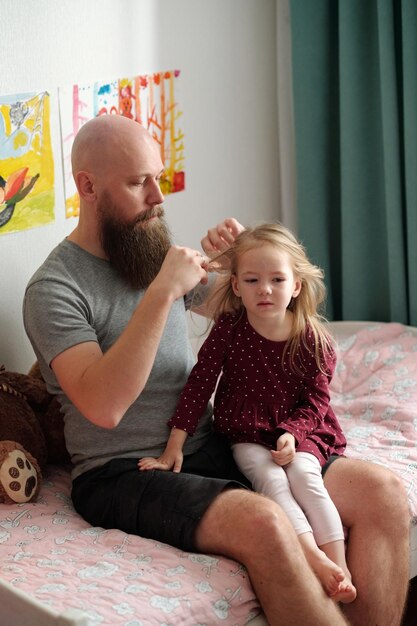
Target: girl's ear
[
  {"x": 235, "y": 286},
  {"x": 297, "y": 288}
]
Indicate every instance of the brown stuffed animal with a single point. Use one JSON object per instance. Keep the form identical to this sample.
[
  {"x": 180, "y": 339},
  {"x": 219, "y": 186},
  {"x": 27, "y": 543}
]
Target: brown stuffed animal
[
  {"x": 31, "y": 435},
  {"x": 52, "y": 423}
]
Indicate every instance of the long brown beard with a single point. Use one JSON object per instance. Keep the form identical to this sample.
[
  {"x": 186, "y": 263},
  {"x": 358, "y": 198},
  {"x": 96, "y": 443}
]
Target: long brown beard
[{"x": 135, "y": 249}]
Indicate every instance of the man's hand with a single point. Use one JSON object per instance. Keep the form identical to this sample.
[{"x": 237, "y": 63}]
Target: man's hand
[
  {"x": 221, "y": 237},
  {"x": 285, "y": 451},
  {"x": 182, "y": 269}
]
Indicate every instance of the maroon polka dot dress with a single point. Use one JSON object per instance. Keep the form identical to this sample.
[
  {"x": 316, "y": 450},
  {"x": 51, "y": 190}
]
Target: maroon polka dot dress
[{"x": 259, "y": 396}]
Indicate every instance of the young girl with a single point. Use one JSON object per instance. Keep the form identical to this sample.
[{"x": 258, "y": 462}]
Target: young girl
[{"x": 272, "y": 401}]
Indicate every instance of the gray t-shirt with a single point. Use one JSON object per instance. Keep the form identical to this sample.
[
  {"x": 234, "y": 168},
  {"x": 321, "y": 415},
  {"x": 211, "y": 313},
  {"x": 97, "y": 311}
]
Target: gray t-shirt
[{"x": 76, "y": 297}]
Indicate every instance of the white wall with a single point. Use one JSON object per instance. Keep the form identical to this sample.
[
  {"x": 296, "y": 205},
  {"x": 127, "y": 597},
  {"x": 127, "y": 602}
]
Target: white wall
[{"x": 226, "y": 51}]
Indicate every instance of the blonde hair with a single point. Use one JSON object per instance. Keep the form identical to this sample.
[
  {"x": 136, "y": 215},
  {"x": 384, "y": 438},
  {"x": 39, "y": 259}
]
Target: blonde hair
[{"x": 305, "y": 307}]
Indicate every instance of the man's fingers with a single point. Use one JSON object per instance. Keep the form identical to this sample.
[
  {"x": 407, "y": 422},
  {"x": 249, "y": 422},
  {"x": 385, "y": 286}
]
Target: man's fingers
[{"x": 222, "y": 236}]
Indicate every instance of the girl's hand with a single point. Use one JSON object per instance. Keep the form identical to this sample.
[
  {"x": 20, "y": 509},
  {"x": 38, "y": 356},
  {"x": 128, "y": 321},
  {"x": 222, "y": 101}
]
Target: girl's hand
[
  {"x": 169, "y": 460},
  {"x": 285, "y": 451}
]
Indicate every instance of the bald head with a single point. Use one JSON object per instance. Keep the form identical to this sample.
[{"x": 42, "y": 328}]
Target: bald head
[
  {"x": 106, "y": 140},
  {"x": 117, "y": 167}
]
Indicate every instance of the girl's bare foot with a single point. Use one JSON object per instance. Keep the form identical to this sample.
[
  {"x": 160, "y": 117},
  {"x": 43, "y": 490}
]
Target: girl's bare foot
[
  {"x": 335, "y": 581},
  {"x": 335, "y": 551},
  {"x": 330, "y": 575},
  {"x": 346, "y": 592}
]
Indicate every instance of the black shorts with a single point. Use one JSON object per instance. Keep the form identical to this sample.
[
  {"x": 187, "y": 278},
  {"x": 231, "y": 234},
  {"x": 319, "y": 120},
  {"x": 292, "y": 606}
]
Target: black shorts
[
  {"x": 161, "y": 505},
  {"x": 330, "y": 460}
]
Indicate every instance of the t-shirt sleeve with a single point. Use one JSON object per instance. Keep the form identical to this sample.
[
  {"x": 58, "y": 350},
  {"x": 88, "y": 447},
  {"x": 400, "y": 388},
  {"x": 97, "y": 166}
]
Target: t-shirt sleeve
[{"x": 56, "y": 318}]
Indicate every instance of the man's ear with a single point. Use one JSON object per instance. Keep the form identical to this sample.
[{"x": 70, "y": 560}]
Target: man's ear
[
  {"x": 235, "y": 286},
  {"x": 85, "y": 185}
]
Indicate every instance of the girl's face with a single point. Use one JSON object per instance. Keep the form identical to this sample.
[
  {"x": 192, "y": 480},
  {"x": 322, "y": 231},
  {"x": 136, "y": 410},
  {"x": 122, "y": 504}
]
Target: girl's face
[{"x": 265, "y": 282}]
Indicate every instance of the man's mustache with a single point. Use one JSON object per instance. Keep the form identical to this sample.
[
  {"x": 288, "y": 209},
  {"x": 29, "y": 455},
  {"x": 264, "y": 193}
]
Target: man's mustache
[{"x": 148, "y": 214}]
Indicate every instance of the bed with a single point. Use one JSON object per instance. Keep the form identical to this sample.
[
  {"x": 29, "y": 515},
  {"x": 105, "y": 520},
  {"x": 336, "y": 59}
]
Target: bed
[{"x": 55, "y": 569}]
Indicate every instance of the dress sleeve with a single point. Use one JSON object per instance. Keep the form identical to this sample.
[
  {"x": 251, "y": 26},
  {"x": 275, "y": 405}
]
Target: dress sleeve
[
  {"x": 203, "y": 378},
  {"x": 314, "y": 399}
]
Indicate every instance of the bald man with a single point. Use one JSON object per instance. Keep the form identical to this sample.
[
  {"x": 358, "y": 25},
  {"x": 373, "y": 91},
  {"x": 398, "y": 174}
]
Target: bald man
[{"x": 113, "y": 347}]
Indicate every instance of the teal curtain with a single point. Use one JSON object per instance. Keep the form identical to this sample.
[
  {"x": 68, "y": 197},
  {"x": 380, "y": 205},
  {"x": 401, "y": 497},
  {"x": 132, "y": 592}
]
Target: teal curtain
[{"x": 355, "y": 110}]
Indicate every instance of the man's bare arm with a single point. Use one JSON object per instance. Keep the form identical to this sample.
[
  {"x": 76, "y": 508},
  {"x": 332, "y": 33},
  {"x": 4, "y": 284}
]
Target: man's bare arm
[{"x": 103, "y": 386}]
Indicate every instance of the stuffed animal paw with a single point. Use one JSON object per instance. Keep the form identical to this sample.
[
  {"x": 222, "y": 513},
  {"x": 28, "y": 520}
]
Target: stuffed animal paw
[
  {"x": 19, "y": 474},
  {"x": 31, "y": 434}
]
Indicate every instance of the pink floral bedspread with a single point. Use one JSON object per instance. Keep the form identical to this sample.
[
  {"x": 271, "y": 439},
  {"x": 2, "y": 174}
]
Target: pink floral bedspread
[
  {"x": 374, "y": 395},
  {"x": 48, "y": 551}
]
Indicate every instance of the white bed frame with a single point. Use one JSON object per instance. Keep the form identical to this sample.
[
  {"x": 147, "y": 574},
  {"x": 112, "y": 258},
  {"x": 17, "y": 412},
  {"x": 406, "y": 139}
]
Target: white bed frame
[{"x": 20, "y": 609}]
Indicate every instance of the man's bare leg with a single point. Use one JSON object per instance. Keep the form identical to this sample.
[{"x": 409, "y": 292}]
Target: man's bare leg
[
  {"x": 253, "y": 530},
  {"x": 373, "y": 504}
]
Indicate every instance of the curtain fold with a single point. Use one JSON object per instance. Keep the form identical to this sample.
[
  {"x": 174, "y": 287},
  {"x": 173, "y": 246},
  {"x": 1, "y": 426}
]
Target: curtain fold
[{"x": 355, "y": 112}]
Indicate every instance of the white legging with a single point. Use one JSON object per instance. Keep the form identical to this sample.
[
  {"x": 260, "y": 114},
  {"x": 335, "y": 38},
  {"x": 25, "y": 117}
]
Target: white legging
[{"x": 298, "y": 488}]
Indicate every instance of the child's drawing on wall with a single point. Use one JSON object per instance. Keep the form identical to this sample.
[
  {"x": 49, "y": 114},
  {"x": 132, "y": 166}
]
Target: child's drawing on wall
[
  {"x": 26, "y": 162},
  {"x": 148, "y": 99}
]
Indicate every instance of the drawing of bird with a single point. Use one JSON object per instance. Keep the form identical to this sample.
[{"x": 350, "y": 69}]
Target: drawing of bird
[{"x": 13, "y": 190}]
